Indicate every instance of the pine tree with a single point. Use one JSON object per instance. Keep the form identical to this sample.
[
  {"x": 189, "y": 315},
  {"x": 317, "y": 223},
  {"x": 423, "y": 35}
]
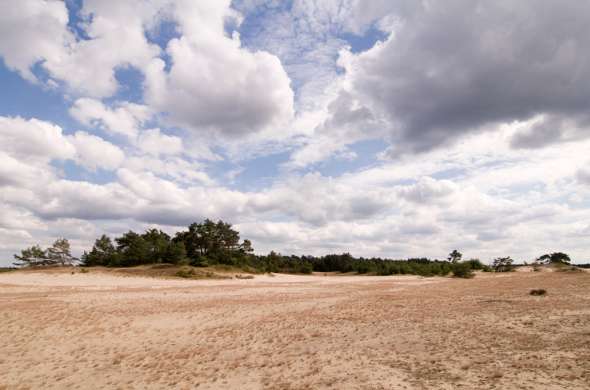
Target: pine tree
[
  {"x": 60, "y": 254},
  {"x": 31, "y": 257}
]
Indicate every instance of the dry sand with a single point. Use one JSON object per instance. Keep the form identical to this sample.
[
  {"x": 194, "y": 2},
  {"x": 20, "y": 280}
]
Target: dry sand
[{"x": 97, "y": 330}]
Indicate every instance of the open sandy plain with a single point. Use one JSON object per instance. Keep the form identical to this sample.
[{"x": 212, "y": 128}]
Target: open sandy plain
[{"x": 95, "y": 330}]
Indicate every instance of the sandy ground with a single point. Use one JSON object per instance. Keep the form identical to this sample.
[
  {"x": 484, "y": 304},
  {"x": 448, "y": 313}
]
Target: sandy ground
[{"x": 95, "y": 330}]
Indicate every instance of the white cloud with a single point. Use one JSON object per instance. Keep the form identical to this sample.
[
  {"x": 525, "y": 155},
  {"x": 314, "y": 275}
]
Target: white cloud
[
  {"x": 32, "y": 31},
  {"x": 93, "y": 152},
  {"x": 177, "y": 169},
  {"x": 155, "y": 143},
  {"x": 125, "y": 118},
  {"x": 222, "y": 97},
  {"x": 447, "y": 70},
  {"x": 33, "y": 140},
  {"x": 583, "y": 175},
  {"x": 16, "y": 173},
  {"x": 427, "y": 190},
  {"x": 214, "y": 85}
]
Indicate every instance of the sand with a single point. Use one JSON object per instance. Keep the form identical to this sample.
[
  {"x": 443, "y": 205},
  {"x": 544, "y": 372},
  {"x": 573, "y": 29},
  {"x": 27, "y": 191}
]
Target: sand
[{"x": 97, "y": 330}]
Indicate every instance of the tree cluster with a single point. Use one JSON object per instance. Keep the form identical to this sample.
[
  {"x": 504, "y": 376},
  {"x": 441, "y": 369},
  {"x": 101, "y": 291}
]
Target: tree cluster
[
  {"x": 347, "y": 263},
  {"x": 554, "y": 258},
  {"x": 210, "y": 243},
  {"x": 202, "y": 244},
  {"x": 503, "y": 264},
  {"x": 59, "y": 254}
]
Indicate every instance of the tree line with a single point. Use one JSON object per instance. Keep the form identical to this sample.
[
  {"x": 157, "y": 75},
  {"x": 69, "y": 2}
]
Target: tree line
[{"x": 210, "y": 243}]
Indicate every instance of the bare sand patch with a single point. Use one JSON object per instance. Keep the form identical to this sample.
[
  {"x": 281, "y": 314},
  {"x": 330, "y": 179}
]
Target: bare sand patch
[{"x": 97, "y": 330}]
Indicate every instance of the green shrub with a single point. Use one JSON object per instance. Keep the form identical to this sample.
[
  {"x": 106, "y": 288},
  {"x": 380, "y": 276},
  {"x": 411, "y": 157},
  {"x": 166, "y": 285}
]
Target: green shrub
[
  {"x": 306, "y": 267},
  {"x": 462, "y": 270},
  {"x": 185, "y": 273}
]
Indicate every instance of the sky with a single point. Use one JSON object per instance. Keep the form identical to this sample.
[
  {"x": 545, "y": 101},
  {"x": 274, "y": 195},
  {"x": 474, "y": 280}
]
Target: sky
[{"x": 392, "y": 128}]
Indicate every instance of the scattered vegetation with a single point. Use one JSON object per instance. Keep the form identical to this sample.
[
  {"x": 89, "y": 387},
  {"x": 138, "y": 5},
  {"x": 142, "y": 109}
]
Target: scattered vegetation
[
  {"x": 185, "y": 273},
  {"x": 503, "y": 264},
  {"x": 217, "y": 244},
  {"x": 567, "y": 268},
  {"x": 538, "y": 292}
]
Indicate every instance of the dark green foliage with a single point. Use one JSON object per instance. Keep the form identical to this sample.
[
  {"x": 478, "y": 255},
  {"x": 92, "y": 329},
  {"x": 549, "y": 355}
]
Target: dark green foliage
[
  {"x": 152, "y": 247},
  {"x": 555, "y": 258},
  {"x": 217, "y": 243},
  {"x": 212, "y": 240},
  {"x": 503, "y": 264},
  {"x": 103, "y": 253},
  {"x": 477, "y": 265},
  {"x": 305, "y": 267},
  {"x": 133, "y": 250},
  {"x": 203, "y": 244},
  {"x": 462, "y": 270},
  {"x": 455, "y": 256},
  {"x": 175, "y": 253},
  {"x": 33, "y": 256},
  {"x": 157, "y": 245}
]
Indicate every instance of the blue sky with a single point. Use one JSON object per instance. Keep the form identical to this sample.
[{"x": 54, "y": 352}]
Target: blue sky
[{"x": 383, "y": 129}]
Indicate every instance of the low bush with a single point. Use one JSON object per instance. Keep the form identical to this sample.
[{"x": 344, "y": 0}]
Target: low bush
[
  {"x": 462, "y": 270},
  {"x": 538, "y": 291},
  {"x": 185, "y": 273}
]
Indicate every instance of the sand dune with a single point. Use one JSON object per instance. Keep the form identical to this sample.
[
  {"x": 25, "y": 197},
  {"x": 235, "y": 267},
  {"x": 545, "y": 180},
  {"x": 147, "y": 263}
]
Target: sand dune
[{"x": 97, "y": 330}]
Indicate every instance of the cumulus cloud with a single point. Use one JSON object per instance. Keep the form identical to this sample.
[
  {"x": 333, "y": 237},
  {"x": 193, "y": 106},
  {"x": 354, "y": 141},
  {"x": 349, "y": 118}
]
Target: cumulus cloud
[
  {"x": 171, "y": 167},
  {"x": 317, "y": 200},
  {"x": 473, "y": 76},
  {"x": 155, "y": 143},
  {"x": 583, "y": 175},
  {"x": 211, "y": 84},
  {"x": 548, "y": 130},
  {"x": 124, "y": 118},
  {"x": 214, "y": 85},
  {"x": 427, "y": 190},
  {"x": 32, "y": 140},
  {"x": 32, "y": 31},
  {"x": 36, "y": 32},
  {"x": 93, "y": 152},
  {"x": 453, "y": 68},
  {"x": 347, "y": 121},
  {"x": 16, "y": 173}
]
